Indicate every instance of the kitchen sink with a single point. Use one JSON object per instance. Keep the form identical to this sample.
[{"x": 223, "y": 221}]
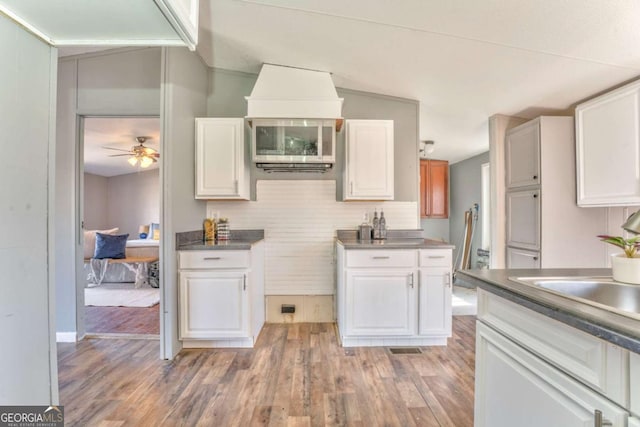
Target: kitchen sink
[{"x": 599, "y": 291}]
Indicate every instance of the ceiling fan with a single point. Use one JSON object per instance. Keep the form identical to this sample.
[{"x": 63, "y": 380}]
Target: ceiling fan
[{"x": 138, "y": 153}]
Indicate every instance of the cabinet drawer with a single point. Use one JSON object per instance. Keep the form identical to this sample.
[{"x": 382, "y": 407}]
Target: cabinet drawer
[
  {"x": 635, "y": 383},
  {"x": 213, "y": 259},
  {"x": 381, "y": 258},
  {"x": 435, "y": 258},
  {"x": 599, "y": 364}
]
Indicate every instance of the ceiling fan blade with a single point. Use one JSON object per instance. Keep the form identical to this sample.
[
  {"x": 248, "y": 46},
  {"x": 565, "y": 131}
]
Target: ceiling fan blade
[
  {"x": 119, "y": 155},
  {"x": 116, "y": 149}
]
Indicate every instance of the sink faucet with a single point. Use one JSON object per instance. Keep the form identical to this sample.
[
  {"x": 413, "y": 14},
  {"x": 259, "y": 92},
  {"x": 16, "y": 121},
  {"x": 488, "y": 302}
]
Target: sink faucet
[{"x": 632, "y": 224}]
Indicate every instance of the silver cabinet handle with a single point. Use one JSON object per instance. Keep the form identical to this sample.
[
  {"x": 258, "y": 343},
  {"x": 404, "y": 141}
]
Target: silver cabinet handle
[
  {"x": 351, "y": 185},
  {"x": 447, "y": 280},
  {"x": 380, "y": 257},
  {"x": 435, "y": 256},
  {"x": 244, "y": 282},
  {"x": 411, "y": 280},
  {"x": 598, "y": 421},
  {"x": 211, "y": 258}
]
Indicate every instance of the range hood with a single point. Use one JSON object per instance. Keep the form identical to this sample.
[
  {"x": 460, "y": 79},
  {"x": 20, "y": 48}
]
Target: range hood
[{"x": 293, "y": 93}]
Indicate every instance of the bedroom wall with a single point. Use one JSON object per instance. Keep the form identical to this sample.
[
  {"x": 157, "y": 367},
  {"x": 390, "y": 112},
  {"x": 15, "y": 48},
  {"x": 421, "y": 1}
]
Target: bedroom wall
[
  {"x": 28, "y": 361},
  {"x": 95, "y": 202},
  {"x": 133, "y": 200},
  {"x": 117, "y": 82}
]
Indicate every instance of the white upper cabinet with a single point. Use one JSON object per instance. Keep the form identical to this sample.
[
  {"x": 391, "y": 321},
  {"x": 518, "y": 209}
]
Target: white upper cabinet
[
  {"x": 221, "y": 168},
  {"x": 608, "y": 148},
  {"x": 523, "y": 155},
  {"x": 523, "y": 219},
  {"x": 368, "y": 173}
]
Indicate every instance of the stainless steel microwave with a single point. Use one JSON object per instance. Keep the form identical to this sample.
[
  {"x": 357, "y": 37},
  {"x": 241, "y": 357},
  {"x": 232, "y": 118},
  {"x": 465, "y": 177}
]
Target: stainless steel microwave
[{"x": 293, "y": 141}]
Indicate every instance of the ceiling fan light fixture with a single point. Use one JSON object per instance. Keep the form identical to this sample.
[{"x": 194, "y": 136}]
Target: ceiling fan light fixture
[
  {"x": 426, "y": 148},
  {"x": 133, "y": 160},
  {"x": 145, "y": 162}
]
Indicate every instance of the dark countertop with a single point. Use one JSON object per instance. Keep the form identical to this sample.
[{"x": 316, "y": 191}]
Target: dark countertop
[
  {"x": 397, "y": 239},
  {"x": 614, "y": 327},
  {"x": 241, "y": 240}
]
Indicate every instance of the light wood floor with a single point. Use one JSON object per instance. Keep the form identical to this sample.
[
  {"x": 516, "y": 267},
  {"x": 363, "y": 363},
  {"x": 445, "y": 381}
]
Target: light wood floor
[
  {"x": 296, "y": 375},
  {"x": 123, "y": 320}
]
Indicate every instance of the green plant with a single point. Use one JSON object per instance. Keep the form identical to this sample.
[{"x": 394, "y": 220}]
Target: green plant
[{"x": 630, "y": 245}]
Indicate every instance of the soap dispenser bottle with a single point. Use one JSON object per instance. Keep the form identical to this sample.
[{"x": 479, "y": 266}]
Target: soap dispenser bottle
[
  {"x": 376, "y": 225},
  {"x": 383, "y": 225}
]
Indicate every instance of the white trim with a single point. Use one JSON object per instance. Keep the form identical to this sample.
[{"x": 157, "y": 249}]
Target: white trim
[
  {"x": 20, "y": 21},
  {"x": 118, "y": 43},
  {"x": 171, "y": 15},
  {"x": 66, "y": 337}
]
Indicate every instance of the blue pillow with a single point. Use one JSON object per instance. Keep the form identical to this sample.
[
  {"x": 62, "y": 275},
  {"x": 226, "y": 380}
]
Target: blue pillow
[{"x": 110, "y": 246}]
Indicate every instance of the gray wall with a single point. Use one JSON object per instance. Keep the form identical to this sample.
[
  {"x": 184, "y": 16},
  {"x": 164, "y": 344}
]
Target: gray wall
[
  {"x": 465, "y": 189},
  {"x": 113, "y": 83},
  {"x": 28, "y": 361},
  {"x": 437, "y": 229},
  {"x": 184, "y": 97},
  {"x": 227, "y": 90},
  {"x": 95, "y": 202},
  {"x": 123, "y": 201}
]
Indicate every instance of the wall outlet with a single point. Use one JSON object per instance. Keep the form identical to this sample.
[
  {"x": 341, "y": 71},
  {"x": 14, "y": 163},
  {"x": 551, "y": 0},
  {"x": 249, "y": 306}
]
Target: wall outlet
[{"x": 287, "y": 308}]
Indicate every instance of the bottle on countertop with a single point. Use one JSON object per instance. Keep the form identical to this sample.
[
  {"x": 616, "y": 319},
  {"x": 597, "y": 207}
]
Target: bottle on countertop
[
  {"x": 383, "y": 225},
  {"x": 209, "y": 228},
  {"x": 365, "y": 229},
  {"x": 376, "y": 225}
]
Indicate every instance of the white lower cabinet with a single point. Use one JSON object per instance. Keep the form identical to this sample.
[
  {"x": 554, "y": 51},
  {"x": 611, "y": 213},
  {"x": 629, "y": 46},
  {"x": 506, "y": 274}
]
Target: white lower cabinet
[
  {"x": 394, "y": 297},
  {"x": 533, "y": 371},
  {"x": 221, "y": 297},
  {"x": 380, "y": 303},
  {"x": 515, "y": 387},
  {"x": 213, "y": 304},
  {"x": 634, "y": 392}
]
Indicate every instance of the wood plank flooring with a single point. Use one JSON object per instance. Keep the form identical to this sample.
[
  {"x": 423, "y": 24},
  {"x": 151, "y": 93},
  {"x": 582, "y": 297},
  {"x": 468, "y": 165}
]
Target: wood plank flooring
[
  {"x": 297, "y": 375},
  {"x": 123, "y": 320}
]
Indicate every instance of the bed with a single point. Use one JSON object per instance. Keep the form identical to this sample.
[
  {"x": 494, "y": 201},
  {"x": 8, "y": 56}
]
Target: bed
[{"x": 140, "y": 267}]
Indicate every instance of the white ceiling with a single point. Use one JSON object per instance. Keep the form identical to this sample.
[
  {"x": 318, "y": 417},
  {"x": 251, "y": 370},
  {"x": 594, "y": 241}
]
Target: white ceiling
[
  {"x": 120, "y": 133},
  {"x": 463, "y": 60}
]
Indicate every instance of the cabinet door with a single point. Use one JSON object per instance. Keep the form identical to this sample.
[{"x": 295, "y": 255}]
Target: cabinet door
[
  {"x": 523, "y": 219},
  {"x": 220, "y": 159},
  {"x": 608, "y": 148},
  {"x": 522, "y": 258},
  {"x": 515, "y": 388},
  {"x": 634, "y": 365},
  {"x": 523, "y": 155},
  {"x": 213, "y": 305},
  {"x": 434, "y": 189},
  {"x": 634, "y": 422},
  {"x": 434, "y": 302},
  {"x": 380, "y": 303},
  {"x": 369, "y": 160}
]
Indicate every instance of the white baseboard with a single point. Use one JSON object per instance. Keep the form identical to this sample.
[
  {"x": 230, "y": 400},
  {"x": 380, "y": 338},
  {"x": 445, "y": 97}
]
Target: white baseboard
[{"x": 65, "y": 337}]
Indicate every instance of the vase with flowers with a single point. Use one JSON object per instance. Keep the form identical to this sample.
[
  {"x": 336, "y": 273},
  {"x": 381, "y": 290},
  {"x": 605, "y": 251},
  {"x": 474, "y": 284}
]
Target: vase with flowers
[{"x": 626, "y": 265}]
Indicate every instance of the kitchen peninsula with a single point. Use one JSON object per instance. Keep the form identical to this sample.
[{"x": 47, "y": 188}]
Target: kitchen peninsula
[
  {"x": 560, "y": 338},
  {"x": 393, "y": 292}
]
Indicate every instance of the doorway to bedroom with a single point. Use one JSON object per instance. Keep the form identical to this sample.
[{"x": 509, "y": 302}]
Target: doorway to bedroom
[{"x": 121, "y": 211}]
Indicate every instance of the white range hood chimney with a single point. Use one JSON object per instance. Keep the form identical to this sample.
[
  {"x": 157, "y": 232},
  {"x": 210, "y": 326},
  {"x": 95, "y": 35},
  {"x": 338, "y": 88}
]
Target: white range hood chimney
[{"x": 291, "y": 93}]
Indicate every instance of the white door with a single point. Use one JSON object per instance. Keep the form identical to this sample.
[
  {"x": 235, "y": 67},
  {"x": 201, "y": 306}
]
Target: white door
[
  {"x": 515, "y": 388},
  {"x": 369, "y": 160},
  {"x": 523, "y": 219},
  {"x": 608, "y": 148},
  {"x": 522, "y": 258},
  {"x": 523, "y": 155},
  {"x": 213, "y": 304},
  {"x": 434, "y": 301},
  {"x": 220, "y": 159},
  {"x": 380, "y": 303}
]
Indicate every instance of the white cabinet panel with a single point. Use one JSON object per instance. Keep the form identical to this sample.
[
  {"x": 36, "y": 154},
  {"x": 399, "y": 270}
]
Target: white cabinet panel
[
  {"x": 523, "y": 155},
  {"x": 608, "y": 148},
  {"x": 434, "y": 303},
  {"x": 522, "y": 258},
  {"x": 514, "y": 387},
  {"x": 369, "y": 160},
  {"x": 523, "y": 219},
  {"x": 221, "y": 172},
  {"x": 213, "y": 304},
  {"x": 380, "y": 303},
  {"x": 634, "y": 422},
  {"x": 634, "y": 365}
]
